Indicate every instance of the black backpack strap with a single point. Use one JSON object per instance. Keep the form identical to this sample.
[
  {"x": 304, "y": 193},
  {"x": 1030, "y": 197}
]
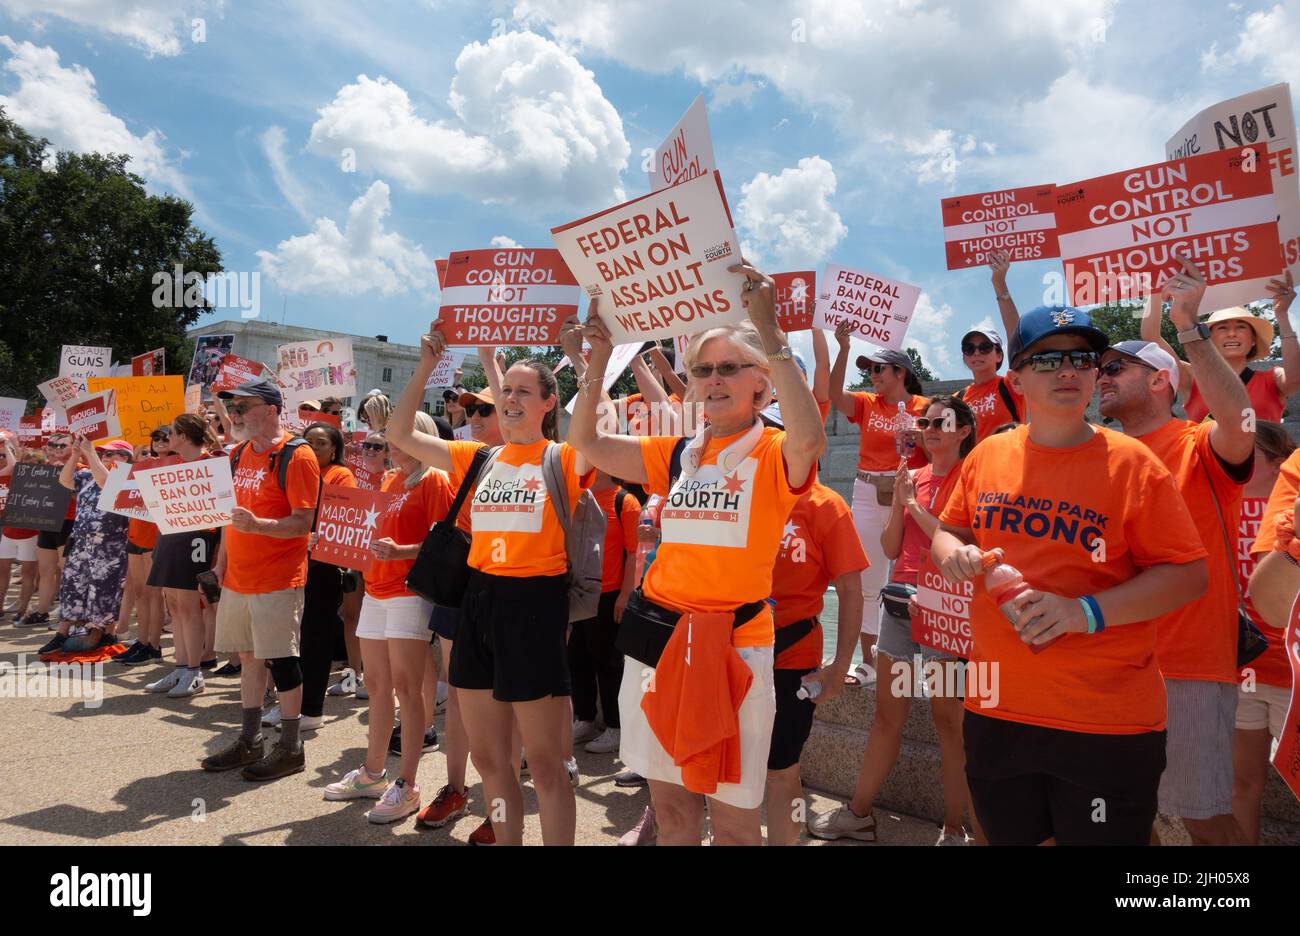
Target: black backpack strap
[
  {"x": 619, "y": 500},
  {"x": 234, "y": 456},
  {"x": 471, "y": 478},
  {"x": 675, "y": 463},
  {"x": 1008, "y": 399},
  {"x": 281, "y": 459}
]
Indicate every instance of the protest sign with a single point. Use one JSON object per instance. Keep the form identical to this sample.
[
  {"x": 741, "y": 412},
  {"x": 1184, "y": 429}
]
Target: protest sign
[
  {"x": 1262, "y": 116},
  {"x": 308, "y": 417},
  {"x": 195, "y": 495},
  {"x": 60, "y": 391},
  {"x": 681, "y": 342},
  {"x": 1120, "y": 233},
  {"x": 193, "y": 398},
  {"x": 1021, "y": 221},
  {"x": 143, "y": 403},
  {"x": 942, "y": 620},
  {"x": 444, "y": 373},
  {"x": 206, "y": 363},
  {"x": 4, "y": 495},
  {"x": 619, "y": 360},
  {"x": 95, "y": 416},
  {"x": 152, "y": 364},
  {"x": 235, "y": 370},
  {"x": 515, "y": 296},
  {"x": 348, "y": 521},
  {"x": 879, "y": 309},
  {"x": 36, "y": 501},
  {"x": 687, "y": 152},
  {"x": 82, "y": 361},
  {"x": 11, "y": 410},
  {"x": 1287, "y": 756},
  {"x": 29, "y": 431},
  {"x": 121, "y": 492},
  {"x": 796, "y": 296},
  {"x": 463, "y": 433},
  {"x": 309, "y": 370},
  {"x": 659, "y": 262}
]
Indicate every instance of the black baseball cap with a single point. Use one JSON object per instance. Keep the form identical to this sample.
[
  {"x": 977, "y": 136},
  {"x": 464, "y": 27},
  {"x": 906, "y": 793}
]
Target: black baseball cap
[
  {"x": 1046, "y": 321},
  {"x": 264, "y": 390}
]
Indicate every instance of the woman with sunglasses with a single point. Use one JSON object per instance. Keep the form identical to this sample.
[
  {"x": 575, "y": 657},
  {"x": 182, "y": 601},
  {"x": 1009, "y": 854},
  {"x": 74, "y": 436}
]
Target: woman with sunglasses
[
  {"x": 1094, "y": 523},
  {"x": 94, "y": 571},
  {"x": 884, "y": 433},
  {"x": 145, "y": 600},
  {"x": 948, "y": 433},
  {"x": 15, "y": 545},
  {"x": 50, "y": 546}
]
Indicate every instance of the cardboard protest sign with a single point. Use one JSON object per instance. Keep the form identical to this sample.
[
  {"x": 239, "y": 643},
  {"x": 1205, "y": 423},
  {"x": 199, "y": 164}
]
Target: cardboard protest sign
[
  {"x": 943, "y": 619},
  {"x": 196, "y": 495},
  {"x": 1264, "y": 116},
  {"x": 151, "y": 364},
  {"x": 659, "y": 262},
  {"x": 1021, "y": 221},
  {"x": 687, "y": 152},
  {"x": 514, "y": 296},
  {"x": 95, "y": 416},
  {"x": 82, "y": 361},
  {"x": 11, "y": 410},
  {"x": 1287, "y": 756},
  {"x": 444, "y": 374},
  {"x": 36, "y": 501},
  {"x": 143, "y": 403},
  {"x": 193, "y": 398},
  {"x": 60, "y": 391},
  {"x": 309, "y": 370},
  {"x": 879, "y": 309},
  {"x": 206, "y": 363},
  {"x": 121, "y": 492},
  {"x": 349, "y": 519},
  {"x": 1119, "y": 233},
  {"x": 796, "y": 297}
]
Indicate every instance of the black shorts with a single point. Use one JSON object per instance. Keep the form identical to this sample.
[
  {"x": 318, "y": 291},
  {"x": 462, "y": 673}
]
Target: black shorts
[
  {"x": 133, "y": 550},
  {"x": 794, "y": 719},
  {"x": 511, "y": 637},
  {"x": 443, "y": 622},
  {"x": 179, "y": 557},
  {"x": 1030, "y": 783},
  {"x": 47, "y": 540}
]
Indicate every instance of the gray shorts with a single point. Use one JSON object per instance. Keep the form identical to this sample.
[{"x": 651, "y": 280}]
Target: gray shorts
[
  {"x": 896, "y": 641},
  {"x": 1197, "y": 782}
]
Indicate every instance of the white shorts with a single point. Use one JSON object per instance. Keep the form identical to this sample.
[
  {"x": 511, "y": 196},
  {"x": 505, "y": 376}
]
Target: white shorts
[
  {"x": 641, "y": 751},
  {"x": 871, "y": 518},
  {"x": 405, "y": 617},
  {"x": 1263, "y": 708},
  {"x": 24, "y": 550}
]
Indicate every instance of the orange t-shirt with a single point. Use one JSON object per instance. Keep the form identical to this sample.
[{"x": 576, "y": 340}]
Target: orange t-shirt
[
  {"x": 620, "y": 537},
  {"x": 1199, "y": 640},
  {"x": 339, "y": 475},
  {"x": 720, "y": 530},
  {"x": 819, "y": 543},
  {"x": 1271, "y": 667},
  {"x": 1282, "y": 498},
  {"x": 141, "y": 533},
  {"x": 990, "y": 409},
  {"x": 1046, "y": 508},
  {"x": 878, "y": 421},
  {"x": 256, "y": 564},
  {"x": 410, "y": 514},
  {"x": 513, "y": 533}
]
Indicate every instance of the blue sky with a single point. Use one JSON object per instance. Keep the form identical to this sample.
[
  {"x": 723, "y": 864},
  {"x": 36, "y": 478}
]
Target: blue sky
[{"x": 338, "y": 148}]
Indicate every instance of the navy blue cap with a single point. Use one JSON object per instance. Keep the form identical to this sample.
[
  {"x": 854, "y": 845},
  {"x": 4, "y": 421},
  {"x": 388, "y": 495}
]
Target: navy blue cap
[
  {"x": 1046, "y": 321},
  {"x": 264, "y": 390}
]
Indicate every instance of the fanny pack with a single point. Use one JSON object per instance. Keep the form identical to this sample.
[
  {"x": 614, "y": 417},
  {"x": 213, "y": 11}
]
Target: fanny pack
[
  {"x": 884, "y": 485},
  {"x": 646, "y": 627},
  {"x": 896, "y": 598}
]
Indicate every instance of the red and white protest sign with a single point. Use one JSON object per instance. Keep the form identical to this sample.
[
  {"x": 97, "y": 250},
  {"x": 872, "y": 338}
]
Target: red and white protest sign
[
  {"x": 1262, "y": 116},
  {"x": 440, "y": 265},
  {"x": 1287, "y": 756},
  {"x": 11, "y": 411},
  {"x": 796, "y": 296},
  {"x": 152, "y": 364},
  {"x": 95, "y": 416},
  {"x": 686, "y": 153},
  {"x": 236, "y": 370},
  {"x": 659, "y": 262},
  {"x": 348, "y": 521},
  {"x": 879, "y": 309},
  {"x": 942, "y": 620},
  {"x": 444, "y": 372},
  {"x": 1021, "y": 221},
  {"x": 197, "y": 495},
  {"x": 309, "y": 370},
  {"x": 121, "y": 492},
  {"x": 61, "y": 391},
  {"x": 29, "y": 431},
  {"x": 506, "y": 296},
  {"x": 1120, "y": 233}
]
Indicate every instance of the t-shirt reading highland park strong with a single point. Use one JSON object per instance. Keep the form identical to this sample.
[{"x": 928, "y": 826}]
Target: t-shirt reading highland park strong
[
  {"x": 878, "y": 421},
  {"x": 514, "y": 535},
  {"x": 1048, "y": 508},
  {"x": 410, "y": 514},
  {"x": 720, "y": 530},
  {"x": 257, "y": 564}
]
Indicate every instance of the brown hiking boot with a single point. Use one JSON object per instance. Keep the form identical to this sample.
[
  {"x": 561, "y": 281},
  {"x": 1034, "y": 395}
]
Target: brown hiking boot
[
  {"x": 279, "y": 763},
  {"x": 238, "y": 754}
]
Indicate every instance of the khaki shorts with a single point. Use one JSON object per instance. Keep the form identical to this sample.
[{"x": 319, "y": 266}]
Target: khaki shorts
[
  {"x": 265, "y": 624},
  {"x": 1263, "y": 708}
]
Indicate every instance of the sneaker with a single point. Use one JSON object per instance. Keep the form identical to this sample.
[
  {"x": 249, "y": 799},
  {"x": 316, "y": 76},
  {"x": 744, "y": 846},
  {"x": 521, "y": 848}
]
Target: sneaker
[
  {"x": 357, "y": 785},
  {"x": 483, "y": 835},
  {"x": 607, "y": 743},
  {"x": 841, "y": 822},
  {"x": 230, "y": 669},
  {"x": 430, "y": 741},
  {"x": 272, "y": 717},
  {"x": 33, "y": 619},
  {"x": 53, "y": 645},
  {"x": 239, "y": 754},
  {"x": 166, "y": 683},
  {"x": 362, "y": 692},
  {"x": 395, "y": 742},
  {"x": 208, "y": 664},
  {"x": 629, "y": 778},
  {"x": 585, "y": 731},
  {"x": 398, "y": 802},
  {"x": 523, "y": 767},
  {"x": 440, "y": 699},
  {"x": 446, "y": 806},
  {"x": 281, "y": 762},
  {"x": 346, "y": 684},
  {"x": 644, "y": 832},
  {"x": 309, "y": 722},
  {"x": 133, "y": 654},
  {"x": 571, "y": 768},
  {"x": 154, "y": 655},
  {"x": 190, "y": 683},
  {"x": 953, "y": 838}
]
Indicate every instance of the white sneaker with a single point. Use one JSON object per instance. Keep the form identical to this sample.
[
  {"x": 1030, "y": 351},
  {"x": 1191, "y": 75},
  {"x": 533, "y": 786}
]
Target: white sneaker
[
  {"x": 272, "y": 717},
  {"x": 585, "y": 731},
  {"x": 346, "y": 685},
  {"x": 166, "y": 683},
  {"x": 305, "y": 722},
  {"x": 398, "y": 802},
  {"x": 607, "y": 743},
  {"x": 571, "y": 768},
  {"x": 362, "y": 692},
  {"x": 953, "y": 838},
  {"x": 440, "y": 701},
  {"x": 190, "y": 683},
  {"x": 357, "y": 785}
]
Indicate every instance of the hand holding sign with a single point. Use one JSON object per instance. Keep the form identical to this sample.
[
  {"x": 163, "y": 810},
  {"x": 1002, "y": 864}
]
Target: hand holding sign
[
  {"x": 844, "y": 333},
  {"x": 1283, "y": 294},
  {"x": 758, "y": 296},
  {"x": 433, "y": 345},
  {"x": 384, "y": 549},
  {"x": 1185, "y": 291},
  {"x": 1000, "y": 263}
]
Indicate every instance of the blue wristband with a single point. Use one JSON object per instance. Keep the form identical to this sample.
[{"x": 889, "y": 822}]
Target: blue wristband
[
  {"x": 1087, "y": 612},
  {"x": 1096, "y": 614}
]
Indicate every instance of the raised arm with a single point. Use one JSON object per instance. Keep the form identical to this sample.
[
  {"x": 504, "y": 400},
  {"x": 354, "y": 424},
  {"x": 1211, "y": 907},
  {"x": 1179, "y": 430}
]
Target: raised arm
[
  {"x": 842, "y": 398},
  {"x": 70, "y": 466},
  {"x": 1288, "y": 375},
  {"x": 821, "y": 382},
  {"x": 614, "y": 454},
  {"x": 1150, "y": 331},
  {"x": 672, "y": 382},
  {"x": 96, "y": 465},
  {"x": 651, "y": 390},
  {"x": 222, "y": 416},
  {"x": 401, "y": 430},
  {"x": 1000, "y": 263}
]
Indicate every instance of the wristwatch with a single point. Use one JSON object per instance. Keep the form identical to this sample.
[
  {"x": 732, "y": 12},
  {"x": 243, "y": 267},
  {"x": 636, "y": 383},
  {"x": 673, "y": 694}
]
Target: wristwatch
[
  {"x": 784, "y": 353},
  {"x": 1199, "y": 332}
]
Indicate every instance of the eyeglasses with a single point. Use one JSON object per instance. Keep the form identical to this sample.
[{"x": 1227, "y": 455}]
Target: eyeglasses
[
  {"x": 374, "y": 446},
  {"x": 970, "y": 348},
  {"x": 1113, "y": 367},
  {"x": 479, "y": 409},
  {"x": 725, "y": 369},
  {"x": 1047, "y": 361}
]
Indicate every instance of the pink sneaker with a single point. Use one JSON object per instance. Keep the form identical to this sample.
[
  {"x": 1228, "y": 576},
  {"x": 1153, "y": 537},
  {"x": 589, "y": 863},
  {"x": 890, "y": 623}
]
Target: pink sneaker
[
  {"x": 644, "y": 832},
  {"x": 398, "y": 802}
]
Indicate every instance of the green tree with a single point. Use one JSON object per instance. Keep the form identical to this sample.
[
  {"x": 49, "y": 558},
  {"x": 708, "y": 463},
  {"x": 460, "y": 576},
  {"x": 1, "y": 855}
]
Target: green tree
[{"x": 80, "y": 241}]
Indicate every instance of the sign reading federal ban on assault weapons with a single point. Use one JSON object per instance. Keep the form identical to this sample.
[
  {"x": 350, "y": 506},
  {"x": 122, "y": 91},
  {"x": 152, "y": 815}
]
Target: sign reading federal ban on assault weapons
[
  {"x": 516, "y": 296},
  {"x": 942, "y": 619},
  {"x": 197, "y": 495},
  {"x": 878, "y": 309},
  {"x": 659, "y": 263}
]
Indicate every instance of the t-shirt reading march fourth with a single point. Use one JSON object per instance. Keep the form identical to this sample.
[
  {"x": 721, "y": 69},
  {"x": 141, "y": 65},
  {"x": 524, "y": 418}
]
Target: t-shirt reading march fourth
[
  {"x": 410, "y": 514},
  {"x": 728, "y": 503},
  {"x": 514, "y": 534},
  {"x": 257, "y": 564},
  {"x": 878, "y": 421},
  {"x": 989, "y": 405},
  {"x": 1048, "y": 508}
]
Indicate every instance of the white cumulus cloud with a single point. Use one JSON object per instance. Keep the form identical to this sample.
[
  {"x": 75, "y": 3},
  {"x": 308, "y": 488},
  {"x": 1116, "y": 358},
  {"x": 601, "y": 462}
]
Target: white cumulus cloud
[
  {"x": 1269, "y": 41},
  {"x": 502, "y": 241},
  {"x": 159, "y": 27},
  {"x": 273, "y": 144},
  {"x": 787, "y": 220}
]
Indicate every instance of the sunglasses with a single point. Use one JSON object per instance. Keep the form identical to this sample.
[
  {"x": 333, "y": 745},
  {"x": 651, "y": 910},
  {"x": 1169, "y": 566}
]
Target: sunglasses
[
  {"x": 479, "y": 409},
  {"x": 725, "y": 369},
  {"x": 332, "y": 412},
  {"x": 879, "y": 368},
  {"x": 925, "y": 422},
  {"x": 1112, "y": 368},
  {"x": 983, "y": 348},
  {"x": 240, "y": 409},
  {"x": 116, "y": 454},
  {"x": 374, "y": 446},
  {"x": 1048, "y": 361}
]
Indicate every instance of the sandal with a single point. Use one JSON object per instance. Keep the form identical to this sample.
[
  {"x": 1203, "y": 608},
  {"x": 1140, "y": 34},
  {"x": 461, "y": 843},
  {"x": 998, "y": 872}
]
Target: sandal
[{"x": 860, "y": 675}]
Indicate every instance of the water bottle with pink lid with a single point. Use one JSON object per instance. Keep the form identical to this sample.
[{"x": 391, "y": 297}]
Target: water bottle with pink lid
[{"x": 1005, "y": 584}]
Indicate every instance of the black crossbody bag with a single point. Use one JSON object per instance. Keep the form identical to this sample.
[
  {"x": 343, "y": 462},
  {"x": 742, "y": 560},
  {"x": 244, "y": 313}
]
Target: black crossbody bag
[{"x": 440, "y": 572}]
